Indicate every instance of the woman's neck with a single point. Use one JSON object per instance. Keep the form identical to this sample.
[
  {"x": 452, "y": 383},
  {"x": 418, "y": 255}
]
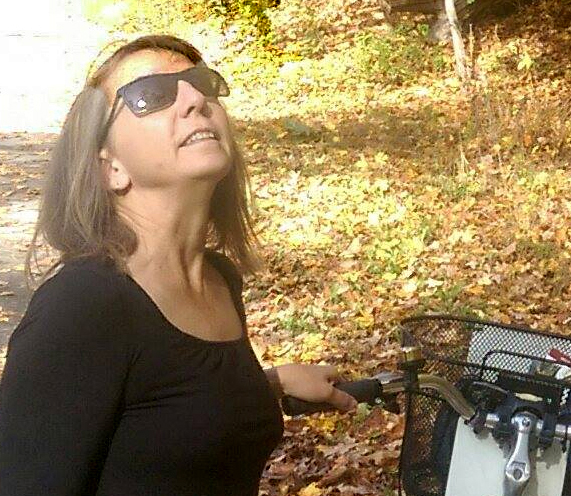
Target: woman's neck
[{"x": 171, "y": 238}]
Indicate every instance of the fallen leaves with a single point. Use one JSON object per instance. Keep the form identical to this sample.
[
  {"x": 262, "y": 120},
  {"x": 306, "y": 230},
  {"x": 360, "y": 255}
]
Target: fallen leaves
[
  {"x": 361, "y": 460},
  {"x": 431, "y": 199}
]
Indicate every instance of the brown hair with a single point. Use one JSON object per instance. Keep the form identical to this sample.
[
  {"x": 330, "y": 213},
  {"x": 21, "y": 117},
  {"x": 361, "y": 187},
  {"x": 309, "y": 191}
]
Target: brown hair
[{"x": 77, "y": 214}]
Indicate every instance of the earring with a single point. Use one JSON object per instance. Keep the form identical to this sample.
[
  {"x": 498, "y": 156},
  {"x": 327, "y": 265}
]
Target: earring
[{"x": 121, "y": 191}]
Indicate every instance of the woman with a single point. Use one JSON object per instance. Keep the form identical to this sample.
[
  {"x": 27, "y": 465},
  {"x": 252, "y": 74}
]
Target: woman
[{"x": 131, "y": 373}]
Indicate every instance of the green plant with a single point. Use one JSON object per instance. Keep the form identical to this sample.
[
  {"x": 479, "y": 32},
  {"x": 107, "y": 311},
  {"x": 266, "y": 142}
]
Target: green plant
[
  {"x": 531, "y": 128},
  {"x": 298, "y": 322},
  {"x": 398, "y": 56},
  {"x": 252, "y": 13},
  {"x": 336, "y": 294},
  {"x": 362, "y": 413},
  {"x": 536, "y": 250}
]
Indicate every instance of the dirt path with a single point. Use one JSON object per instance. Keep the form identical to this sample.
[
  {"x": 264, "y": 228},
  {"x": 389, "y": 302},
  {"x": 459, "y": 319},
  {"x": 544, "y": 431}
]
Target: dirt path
[
  {"x": 23, "y": 157},
  {"x": 47, "y": 64}
]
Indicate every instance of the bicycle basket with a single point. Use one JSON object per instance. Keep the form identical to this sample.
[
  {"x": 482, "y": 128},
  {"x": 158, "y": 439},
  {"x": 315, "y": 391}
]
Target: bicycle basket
[{"x": 466, "y": 351}]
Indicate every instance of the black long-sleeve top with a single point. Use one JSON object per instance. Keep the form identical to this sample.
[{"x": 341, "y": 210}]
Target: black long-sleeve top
[{"x": 102, "y": 395}]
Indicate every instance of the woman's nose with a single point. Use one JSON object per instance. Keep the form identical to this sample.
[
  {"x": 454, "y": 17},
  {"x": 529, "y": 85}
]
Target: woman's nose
[{"x": 189, "y": 98}]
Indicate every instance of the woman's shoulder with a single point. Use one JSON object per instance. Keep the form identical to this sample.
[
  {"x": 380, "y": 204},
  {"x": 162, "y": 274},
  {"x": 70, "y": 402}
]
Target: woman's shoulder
[
  {"x": 82, "y": 300},
  {"x": 82, "y": 280}
]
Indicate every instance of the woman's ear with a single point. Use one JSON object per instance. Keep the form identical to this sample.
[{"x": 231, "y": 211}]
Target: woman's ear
[{"x": 116, "y": 176}]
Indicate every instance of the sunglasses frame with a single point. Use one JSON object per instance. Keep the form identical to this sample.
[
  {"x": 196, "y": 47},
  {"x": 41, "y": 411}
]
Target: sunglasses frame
[{"x": 122, "y": 94}]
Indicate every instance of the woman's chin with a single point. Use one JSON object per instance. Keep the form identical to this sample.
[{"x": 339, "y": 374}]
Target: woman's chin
[{"x": 211, "y": 166}]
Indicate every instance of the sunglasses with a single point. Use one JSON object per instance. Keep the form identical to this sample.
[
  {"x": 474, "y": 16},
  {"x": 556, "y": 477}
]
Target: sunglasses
[{"x": 154, "y": 92}]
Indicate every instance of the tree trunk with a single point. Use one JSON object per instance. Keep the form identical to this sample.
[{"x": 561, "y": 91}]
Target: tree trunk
[
  {"x": 465, "y": 9},
  {"x": 457, "y": 42},
  {"x": 386, "y": 9}
]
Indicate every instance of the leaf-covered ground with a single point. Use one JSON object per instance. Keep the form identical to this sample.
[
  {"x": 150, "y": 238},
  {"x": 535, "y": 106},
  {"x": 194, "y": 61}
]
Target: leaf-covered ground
[
  {"x": 385, "y": 189},
  {"x": 393, "y": 191}
]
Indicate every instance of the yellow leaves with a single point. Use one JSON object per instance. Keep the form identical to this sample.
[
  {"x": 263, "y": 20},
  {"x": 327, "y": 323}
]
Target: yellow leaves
[
  {"x": 422, "y": 91},
  {"x": 397, "y": 215},
  {"x": 381, "y": 158},
  {"x": 330, "y": 125},
  {"x": 374, "y": 218},
  {"x": 415, "y": 246},
  {"x": 408, "y": 289},
  {"x": 478, "y": 288},
  {"x": 525, "y": 62},
  {"x": 311, "y": 490},
  {"x": 312, "y": 346},
  {"x": 365, "y": 320},
  {"x": 352, "y": 276},
  {"x": 381, "y": 185},
  {"x": 389, "y": 276},
  {"x": 354, "y": 248},
  {"x": 453, "y": 83},
  {"x": 433, "y": 283},
  {"x": 541, "y": 180},
  {"x": 362, "y": 163},
  {"x": 430, "y": 194},
  {"x": 507, "y": 142},
  {"x": 462, "y": 236},
  {"x": 324, "y": 423},
  {"x": 484, "y": 281}
]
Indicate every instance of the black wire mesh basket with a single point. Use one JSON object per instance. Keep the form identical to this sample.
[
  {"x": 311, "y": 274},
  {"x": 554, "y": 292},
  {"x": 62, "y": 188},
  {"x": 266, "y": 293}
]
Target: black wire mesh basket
[{"x": 468, "y": 352}]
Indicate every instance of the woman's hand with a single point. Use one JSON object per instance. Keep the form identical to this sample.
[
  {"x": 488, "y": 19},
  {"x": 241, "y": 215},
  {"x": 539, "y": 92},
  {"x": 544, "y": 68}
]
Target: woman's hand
[{"x": 314, "y": 383}]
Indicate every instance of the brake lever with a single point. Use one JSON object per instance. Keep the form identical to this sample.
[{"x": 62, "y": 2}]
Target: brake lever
[{"x": 391, "y": 383}]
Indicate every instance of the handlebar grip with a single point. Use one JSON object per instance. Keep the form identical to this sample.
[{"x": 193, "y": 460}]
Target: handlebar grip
[{"x": 364, "y": 391}]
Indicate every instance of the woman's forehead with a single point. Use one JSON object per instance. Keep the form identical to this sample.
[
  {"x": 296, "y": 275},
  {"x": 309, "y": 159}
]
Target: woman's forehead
[{"x": 143, "y": 63}]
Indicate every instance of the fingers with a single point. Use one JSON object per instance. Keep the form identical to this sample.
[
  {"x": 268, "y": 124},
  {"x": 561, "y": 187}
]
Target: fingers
[
  {"x": 339, "y": 399},
  {"x": 314, "y": 383},
  {"x": 342, "y": 400}
]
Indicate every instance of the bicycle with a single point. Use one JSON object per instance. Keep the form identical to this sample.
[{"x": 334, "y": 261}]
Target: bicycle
[{"x": 488, "y": 408}]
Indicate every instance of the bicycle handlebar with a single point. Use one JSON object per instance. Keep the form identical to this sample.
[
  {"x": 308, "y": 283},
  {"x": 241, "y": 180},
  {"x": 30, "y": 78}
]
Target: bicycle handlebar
[
  {"x": 380, "y": 388},
  {"x": 364, "y": 391}
]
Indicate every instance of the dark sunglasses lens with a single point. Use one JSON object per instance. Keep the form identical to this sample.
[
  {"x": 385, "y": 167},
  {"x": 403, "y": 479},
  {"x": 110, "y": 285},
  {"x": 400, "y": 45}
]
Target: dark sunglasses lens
[
  {"x": 207, "y": 81},
  {"x": 159, "y": 91},
  {"x": 150, "y": 94}
]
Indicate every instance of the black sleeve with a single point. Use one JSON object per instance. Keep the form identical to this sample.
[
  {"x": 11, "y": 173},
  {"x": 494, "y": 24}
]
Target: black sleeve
[{"x": 61, "y": 391}]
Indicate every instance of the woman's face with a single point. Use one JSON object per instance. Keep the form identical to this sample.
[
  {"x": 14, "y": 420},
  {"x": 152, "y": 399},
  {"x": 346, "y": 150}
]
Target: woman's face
[{"x": 148, "y": 149}]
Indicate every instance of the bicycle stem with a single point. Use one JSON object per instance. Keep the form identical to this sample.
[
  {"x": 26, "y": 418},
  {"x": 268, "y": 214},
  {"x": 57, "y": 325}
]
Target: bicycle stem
[{"x": 518, "y": 469}]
